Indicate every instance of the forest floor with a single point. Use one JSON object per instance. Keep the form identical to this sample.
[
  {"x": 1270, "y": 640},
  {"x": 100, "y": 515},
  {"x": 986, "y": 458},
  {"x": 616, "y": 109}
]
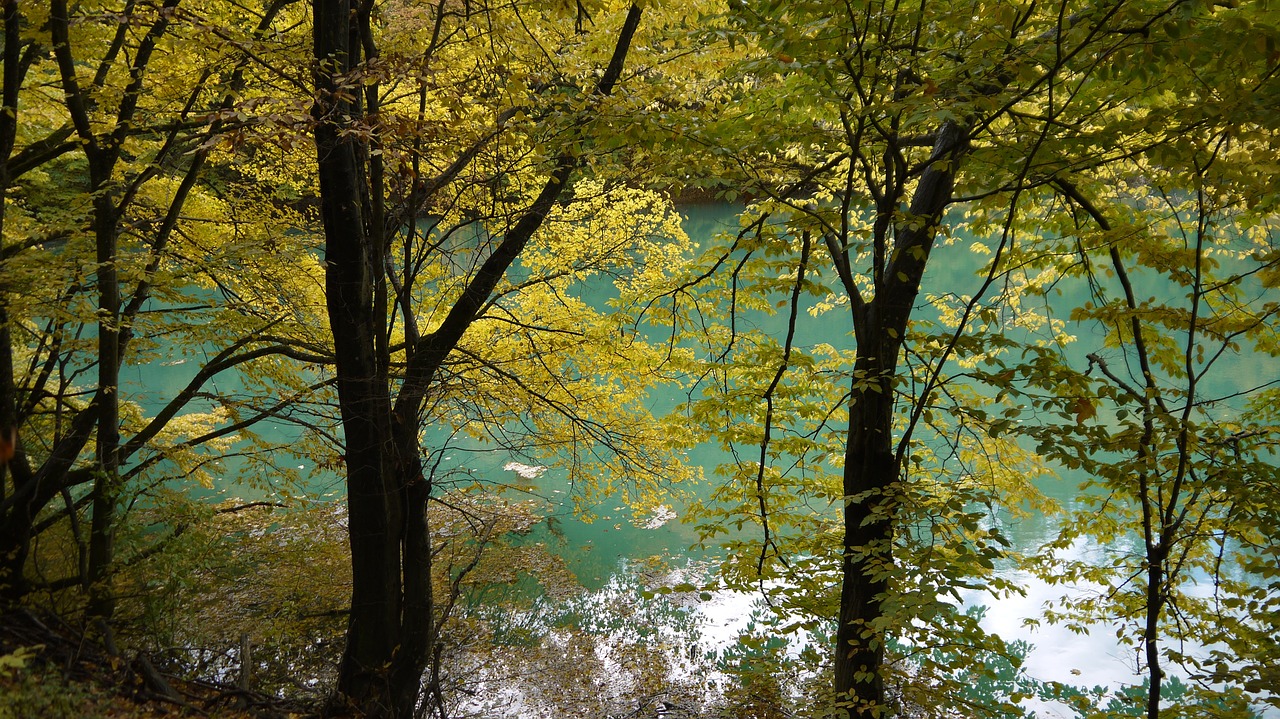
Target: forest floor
[{"x": 51, "y": 670}]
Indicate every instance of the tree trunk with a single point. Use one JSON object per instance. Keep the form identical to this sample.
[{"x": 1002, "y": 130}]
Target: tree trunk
[
  {"x": 1151, "y": 634},
  {"x": 106, "y": 487},
  {"x": 872, "y": 460},
  {"x": 870, "y": 475},
  {"x": 373, "y": 502},
  {"x": 418, "y": 633},
  {"x": 103, "y": 153},
  {"x": 12, "y": 551}
]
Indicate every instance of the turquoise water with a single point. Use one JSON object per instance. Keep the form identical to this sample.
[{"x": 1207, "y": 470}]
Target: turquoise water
[{"x": 599, "y": 550}]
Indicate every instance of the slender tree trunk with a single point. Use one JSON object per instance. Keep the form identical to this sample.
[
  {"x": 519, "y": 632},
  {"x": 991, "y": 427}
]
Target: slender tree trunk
[
  {"x": 870, "y": 476},
  {"x": 12, "y": 553},
  {"x": 106, "y": 488},
  {"x": 872, "y": 461},
  {"x": 102, "y": 153},
  {"x": 1151, "y": 634}
]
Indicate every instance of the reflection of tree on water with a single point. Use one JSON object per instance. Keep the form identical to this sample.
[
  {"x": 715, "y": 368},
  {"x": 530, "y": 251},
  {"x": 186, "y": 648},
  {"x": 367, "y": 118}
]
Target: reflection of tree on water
[{"x": 602, "y": 653}]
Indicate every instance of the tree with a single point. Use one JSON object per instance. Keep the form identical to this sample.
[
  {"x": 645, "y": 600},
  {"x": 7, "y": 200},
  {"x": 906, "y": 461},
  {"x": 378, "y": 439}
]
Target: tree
[
  {"x": 864, "y": 125},
  {"x": 1176, "y": 244},
  {"x": 1174, "y": 453},
  {"x": 114, "y": 236},
  {"x": 382, "y": 386},
  {"x": 1170, "y": 456}
]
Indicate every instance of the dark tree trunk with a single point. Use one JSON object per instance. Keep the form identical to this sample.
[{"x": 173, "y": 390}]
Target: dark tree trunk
[
  {"x": 872, "y": 461},
  {"x": 106, "y": 488},
  {"x": 374, "y": 510},
  {"x": 418, "y": 633},
  {"x": 12, "y": 552},
  {"x": 870, "y": 487},
  {"x": 103, "y": 154},
  {"x": 1151, "y": 631},
  {"x": 870, "y": 474},
  {"x": 102, "y": 157}
]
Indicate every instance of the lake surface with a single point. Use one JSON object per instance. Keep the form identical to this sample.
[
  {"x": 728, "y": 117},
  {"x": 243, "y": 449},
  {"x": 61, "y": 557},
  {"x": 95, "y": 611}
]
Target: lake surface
[{"x": 604, "y": 550}]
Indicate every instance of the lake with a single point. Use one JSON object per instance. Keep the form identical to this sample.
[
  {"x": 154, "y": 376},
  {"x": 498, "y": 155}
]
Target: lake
[{"x": 604, "y": 551}]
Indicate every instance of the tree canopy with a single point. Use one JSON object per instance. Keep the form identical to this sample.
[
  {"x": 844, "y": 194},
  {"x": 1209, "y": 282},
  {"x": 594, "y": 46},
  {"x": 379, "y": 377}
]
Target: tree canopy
[{"x": 266, "y": 268}]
